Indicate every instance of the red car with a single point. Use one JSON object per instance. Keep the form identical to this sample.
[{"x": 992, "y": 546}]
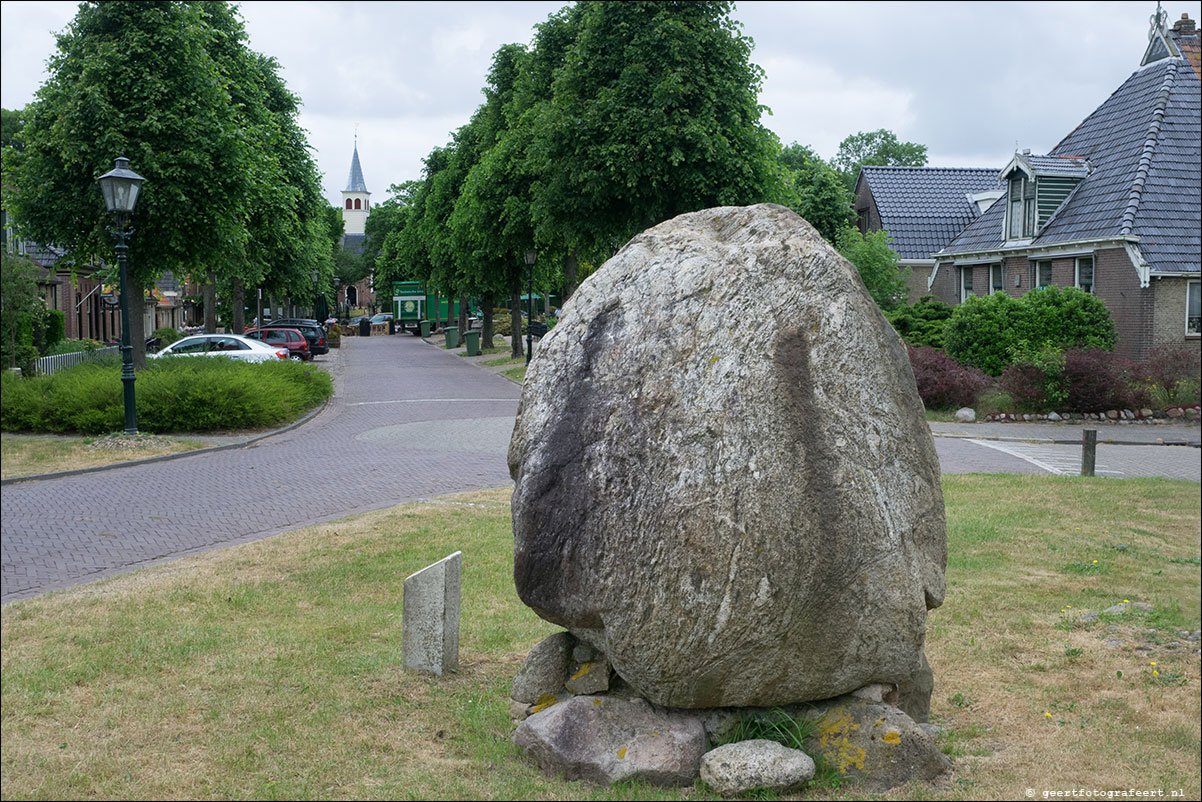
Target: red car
[{"x": 293, "y": 340}]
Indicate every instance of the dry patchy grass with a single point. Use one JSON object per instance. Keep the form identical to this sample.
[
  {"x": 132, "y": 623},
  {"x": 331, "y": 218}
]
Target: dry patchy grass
[
  {"x": 29, "y": 455},
  {"x": 272, "y": 670}
]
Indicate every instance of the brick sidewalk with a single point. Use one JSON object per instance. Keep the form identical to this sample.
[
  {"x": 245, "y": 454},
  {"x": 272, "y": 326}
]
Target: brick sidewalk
[{"x": 407, "y": 421}]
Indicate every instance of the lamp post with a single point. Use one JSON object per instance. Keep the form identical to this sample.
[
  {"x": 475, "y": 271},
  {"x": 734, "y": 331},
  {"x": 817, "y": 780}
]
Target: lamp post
[
  {"x": 120, "y": 187},
  {"x": 531, "y": 256}
]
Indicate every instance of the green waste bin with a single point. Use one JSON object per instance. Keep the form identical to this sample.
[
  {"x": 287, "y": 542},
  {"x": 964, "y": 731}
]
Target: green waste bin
[
  {"x": 425, "y": 324},
  {"x": 452, "y": 333},
  {"x": 472, "y": 338}
]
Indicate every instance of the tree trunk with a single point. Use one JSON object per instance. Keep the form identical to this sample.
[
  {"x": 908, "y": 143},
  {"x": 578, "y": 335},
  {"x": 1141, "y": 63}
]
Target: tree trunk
[
  {"x": 137, "y": 322},
  {"x": 210, "y": 296},
  {"x": 486, "y": 333},
  {"x": 569, "y": 276},
  {"x": 515, "y": 316},
  {"x": 462, "y": 317},
  {"x": 238, "y": 299}
]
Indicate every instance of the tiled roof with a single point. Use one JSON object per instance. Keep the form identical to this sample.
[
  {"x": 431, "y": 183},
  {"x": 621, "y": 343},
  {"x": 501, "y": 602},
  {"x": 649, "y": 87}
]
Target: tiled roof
[
  {"x": 1059, "y": 166},
  {"x": 1143, "y": 145},
  {"x": 923, "y": 208},
  {"x": 355, "y": 183}
]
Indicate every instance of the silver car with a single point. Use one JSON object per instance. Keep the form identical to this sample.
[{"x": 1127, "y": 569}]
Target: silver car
[{"x": 233, "y": 346}]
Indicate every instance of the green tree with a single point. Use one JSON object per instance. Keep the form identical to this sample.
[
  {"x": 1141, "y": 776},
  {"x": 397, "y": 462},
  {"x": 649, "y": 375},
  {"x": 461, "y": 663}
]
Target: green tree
[
  {"x": 11, "y": 123},
  {"x": 877, "y": 265},
  {"x": 821, "y": 197},
  {"x": 654, "y": 112},
  {"x": 880, "y": 147},
  {"x": 19, "y": 302}
]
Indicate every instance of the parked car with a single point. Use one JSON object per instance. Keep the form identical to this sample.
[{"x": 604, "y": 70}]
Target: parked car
[
  {"x": 383, "y": 317},
  {"x": 233, "y": 346},
  {"x": 292, "y": 339},
  {"x": 314, "y": 332}
]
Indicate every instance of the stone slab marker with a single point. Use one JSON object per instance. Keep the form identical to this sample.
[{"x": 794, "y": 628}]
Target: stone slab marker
[{"x": 430, "y": 619}]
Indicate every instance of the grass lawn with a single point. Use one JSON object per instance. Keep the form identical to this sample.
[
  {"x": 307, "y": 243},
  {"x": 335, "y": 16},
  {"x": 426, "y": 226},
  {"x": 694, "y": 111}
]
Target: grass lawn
[
  {"x": 27, "y": 455},
  {"x": 272, "y": 669}
]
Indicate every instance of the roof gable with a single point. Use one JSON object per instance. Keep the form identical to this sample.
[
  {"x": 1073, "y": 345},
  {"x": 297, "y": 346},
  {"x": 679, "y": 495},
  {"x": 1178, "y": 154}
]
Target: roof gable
[{"x": 923, "y": 208}]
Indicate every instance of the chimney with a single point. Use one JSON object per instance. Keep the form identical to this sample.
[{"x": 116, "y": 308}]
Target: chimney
[{"x": 1184, "y": 25}]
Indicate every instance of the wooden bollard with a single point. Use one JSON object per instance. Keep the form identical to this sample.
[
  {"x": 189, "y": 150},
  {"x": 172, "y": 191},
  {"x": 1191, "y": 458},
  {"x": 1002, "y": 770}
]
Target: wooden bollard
[{"x": 1089, "y": 451}]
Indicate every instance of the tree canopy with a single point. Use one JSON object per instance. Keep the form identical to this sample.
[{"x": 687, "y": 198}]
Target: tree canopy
[
  {"x": 880, "y": 147},
  {"x": 820, "y": 195}
]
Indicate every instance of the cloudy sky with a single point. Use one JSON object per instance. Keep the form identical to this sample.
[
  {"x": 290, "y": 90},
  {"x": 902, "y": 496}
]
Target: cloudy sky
[{"x": 971, "y": 80}]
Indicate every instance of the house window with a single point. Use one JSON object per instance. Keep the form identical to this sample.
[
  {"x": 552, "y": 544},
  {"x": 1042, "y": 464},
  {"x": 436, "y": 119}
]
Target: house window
[
  {"x": 997, "y": 278},
  {"x": 1041, "y": 274},
  {"x": 1193, "y": 309},
  {"x": 1022, "y": 207},
  {"x": 965, "y": 283},
  {"x": 1085, "y": 273}
]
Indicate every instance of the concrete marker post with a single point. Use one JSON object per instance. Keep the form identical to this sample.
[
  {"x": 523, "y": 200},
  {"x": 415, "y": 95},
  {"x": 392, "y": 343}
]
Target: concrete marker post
[{"x": 430, "y": 617}]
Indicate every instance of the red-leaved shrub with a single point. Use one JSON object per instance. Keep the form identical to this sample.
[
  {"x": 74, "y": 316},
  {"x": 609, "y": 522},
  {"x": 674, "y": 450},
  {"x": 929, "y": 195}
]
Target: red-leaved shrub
[
  {"x": 943, "y": 383},
  {"x": 1100, "y": 380},
  {"x": 1172, "y": 363}
]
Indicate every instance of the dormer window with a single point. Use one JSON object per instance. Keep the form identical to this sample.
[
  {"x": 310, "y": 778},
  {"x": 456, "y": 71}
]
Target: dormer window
[{"x": 1022, "y": 207}]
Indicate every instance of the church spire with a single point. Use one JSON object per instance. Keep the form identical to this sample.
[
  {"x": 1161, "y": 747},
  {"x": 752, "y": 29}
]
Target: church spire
[{"x": 355, "y": 183}]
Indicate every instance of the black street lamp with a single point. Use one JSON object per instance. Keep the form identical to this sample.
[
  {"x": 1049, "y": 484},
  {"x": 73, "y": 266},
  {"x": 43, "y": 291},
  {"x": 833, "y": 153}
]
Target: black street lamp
[
  {"x": 120, "y": 187},
  {"x": 530, "y": 257}
]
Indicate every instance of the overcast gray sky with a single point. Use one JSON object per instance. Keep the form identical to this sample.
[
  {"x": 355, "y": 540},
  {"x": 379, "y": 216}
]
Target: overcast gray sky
[{"x": 970, "y": 80}]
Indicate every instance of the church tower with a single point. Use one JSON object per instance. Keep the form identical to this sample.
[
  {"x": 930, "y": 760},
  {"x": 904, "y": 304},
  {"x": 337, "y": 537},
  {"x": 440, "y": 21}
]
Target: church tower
[{"x": 356, "y": 204}]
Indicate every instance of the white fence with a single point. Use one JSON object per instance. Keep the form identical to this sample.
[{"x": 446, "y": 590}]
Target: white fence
[{"x": 51, "y": 364}]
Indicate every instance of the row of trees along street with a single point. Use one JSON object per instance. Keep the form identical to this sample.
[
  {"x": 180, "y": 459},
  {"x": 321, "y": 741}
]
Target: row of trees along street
[
  {"x": 617, "y": 116},
  {"x": 232, "y": 196}
]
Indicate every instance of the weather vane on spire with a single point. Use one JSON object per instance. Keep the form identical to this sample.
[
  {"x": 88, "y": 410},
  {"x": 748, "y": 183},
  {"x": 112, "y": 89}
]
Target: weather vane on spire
[{"x": 1158, "y": 22}]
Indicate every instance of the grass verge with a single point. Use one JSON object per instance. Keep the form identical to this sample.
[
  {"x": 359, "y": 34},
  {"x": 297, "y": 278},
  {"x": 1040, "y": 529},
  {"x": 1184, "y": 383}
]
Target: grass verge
[
  {"x": 272, "y": 669},
  {"x": 29, "y": 455}
]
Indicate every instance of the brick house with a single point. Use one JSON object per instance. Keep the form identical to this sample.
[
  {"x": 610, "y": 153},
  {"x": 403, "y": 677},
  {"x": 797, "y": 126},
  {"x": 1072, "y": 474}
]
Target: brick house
[
  {"x": 1114, "y": 209},
  {"x": 922, "y": 209}
]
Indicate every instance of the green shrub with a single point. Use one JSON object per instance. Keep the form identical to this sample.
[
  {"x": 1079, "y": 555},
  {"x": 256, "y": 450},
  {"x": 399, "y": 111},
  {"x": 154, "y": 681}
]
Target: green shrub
[
  {"x": 167, "y": 335},
  {"x": 921, "y": 323},
  {"x": 73, "y": 347},
  {"x": 990, "y": 331},
  {"x": 1036, "y": 380},
  {"x": 185, "y": 394},
  {"x": 877, "y": 265}
]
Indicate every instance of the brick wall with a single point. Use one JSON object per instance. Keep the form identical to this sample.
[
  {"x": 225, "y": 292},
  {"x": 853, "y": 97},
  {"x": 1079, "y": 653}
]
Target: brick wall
[
  {"x": 1168, "y": 312},
  {"x": 1117, "y": 284},
  {"x": 917, "y": 282}
]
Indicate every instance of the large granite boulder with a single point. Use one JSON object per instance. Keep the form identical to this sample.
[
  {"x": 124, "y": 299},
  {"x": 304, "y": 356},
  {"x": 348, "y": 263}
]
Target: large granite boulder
[{"x": 724, "y": 477}]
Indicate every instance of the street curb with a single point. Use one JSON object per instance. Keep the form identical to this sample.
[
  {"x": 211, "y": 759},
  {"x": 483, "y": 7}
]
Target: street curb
[
  {"x": 1052, "y": 441},
  {"x": 164, "y": 458}
]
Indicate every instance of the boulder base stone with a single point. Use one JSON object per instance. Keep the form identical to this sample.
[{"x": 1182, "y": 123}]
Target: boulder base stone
[
  {"x": 724, "y": 477},
  {"x": 873, "y": 743},
  {"x": 605, "y": 740},
  {"x": 735, "y": 769},
  {"x": 544, "y": 669}
]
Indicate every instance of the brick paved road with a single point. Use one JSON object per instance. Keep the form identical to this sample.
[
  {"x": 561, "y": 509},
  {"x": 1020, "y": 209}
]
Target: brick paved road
[{"x": 407, "y": 421}]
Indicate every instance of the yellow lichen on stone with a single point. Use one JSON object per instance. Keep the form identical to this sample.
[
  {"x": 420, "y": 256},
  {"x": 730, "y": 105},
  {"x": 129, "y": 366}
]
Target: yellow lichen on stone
[
  {"x": 597, "y": 702},
  {"x": 833, "y": 735},
  {"x": 584, "y": 669},
  {"x": 543, "y": 702},
  {"x": 892, "y": 737},
  {"x": 622, "y": 753}
]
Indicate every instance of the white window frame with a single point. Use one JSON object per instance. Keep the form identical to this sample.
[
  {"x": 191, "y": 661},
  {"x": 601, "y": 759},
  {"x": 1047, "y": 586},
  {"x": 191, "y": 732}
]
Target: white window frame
[
  {"x": 1000, "y": 284},
  {"x": 1035, "y": 268},
  {"x": 1093, "y": 274},
  {"x": 1020, "y": 209},
  {"x": 966, "y": 292},
  {"x": 1192, "y": 287}
]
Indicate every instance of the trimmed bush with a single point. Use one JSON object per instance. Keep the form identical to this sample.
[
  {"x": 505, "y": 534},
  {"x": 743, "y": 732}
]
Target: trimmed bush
[
  {"x": 943, "y": 383},
  {"x": 1036, "y": 380},
  {"x": 922, "y": 322},
  {"x": 184, "y": 394},
  {"x": 990, "y": 331}
]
